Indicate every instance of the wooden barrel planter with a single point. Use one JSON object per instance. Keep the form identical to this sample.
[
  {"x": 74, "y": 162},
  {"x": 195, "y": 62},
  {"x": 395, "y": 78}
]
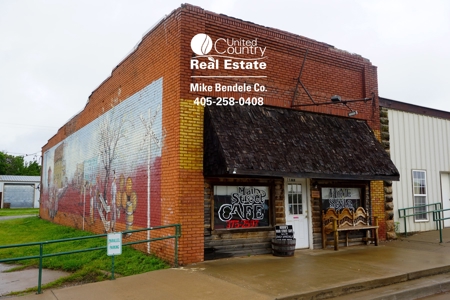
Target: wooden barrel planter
[{"x": 283, "y": 248}]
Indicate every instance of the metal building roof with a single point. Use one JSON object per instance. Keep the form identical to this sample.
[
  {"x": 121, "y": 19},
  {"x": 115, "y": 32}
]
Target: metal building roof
[{"x": 19, "y": 178}]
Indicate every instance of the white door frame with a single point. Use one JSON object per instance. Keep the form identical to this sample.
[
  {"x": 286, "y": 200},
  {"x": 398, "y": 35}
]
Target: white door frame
[
  {"x": 308, "y": 210},
  {"x": 445, "y": 195}
]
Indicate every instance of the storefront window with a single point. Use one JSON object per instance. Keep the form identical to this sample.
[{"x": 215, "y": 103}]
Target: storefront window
[
  {"x": 420, "y": 195},
  {"x": 241, "y": 207},
  {"x": 340, "y": 198}
]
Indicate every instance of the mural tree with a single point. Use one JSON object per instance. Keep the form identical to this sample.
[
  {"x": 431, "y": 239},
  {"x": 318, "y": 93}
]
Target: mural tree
[
  {"x": 110, "y": 133},
  {"x": 104, "y": 163},
  {"x": 150, "y": 138}
]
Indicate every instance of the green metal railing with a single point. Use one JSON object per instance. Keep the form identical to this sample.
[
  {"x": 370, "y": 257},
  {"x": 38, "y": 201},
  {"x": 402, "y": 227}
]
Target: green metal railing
[
  {"x": 437, "y": 206},
  {"x": 438, "y": 217},
  {"x": 41, "y": 255}
]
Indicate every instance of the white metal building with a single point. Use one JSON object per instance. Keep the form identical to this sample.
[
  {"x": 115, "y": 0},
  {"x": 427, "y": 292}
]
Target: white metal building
[
  {"x": 19, "y": 191},
  {"x": 420, "y": 148}
]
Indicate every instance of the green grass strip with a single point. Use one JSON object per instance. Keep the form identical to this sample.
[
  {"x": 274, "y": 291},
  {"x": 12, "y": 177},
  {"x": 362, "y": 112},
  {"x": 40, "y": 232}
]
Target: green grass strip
[{"x": 84, "y": 267}]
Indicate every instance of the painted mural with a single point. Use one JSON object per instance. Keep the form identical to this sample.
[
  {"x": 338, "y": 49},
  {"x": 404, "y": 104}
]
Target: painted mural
[{"x": 109, "y": 172}]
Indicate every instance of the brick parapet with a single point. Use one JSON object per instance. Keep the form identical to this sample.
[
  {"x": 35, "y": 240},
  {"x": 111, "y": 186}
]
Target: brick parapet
[{"x": 327, "y": 70}]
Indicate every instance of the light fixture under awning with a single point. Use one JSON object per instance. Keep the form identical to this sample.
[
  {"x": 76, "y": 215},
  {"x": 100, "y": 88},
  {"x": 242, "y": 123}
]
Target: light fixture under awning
[{"x": 270, "y": 141}]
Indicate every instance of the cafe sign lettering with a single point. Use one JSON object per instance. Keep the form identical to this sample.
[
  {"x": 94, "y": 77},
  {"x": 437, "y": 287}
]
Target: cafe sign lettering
[
  {"x": 246, "y": 204},
  {"x": 242, "y": 206}
]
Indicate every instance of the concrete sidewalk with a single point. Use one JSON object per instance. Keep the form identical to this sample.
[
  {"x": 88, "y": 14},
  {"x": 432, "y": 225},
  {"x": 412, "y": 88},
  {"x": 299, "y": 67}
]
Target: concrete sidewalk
[
  {"x": 16, "y": 217},
  {"x": 310, "y": 274},
  {"x": 21, "y": 280}
]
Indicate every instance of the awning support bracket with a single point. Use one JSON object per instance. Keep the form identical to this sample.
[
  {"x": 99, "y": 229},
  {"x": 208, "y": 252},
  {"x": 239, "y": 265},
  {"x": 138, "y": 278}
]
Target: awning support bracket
[{"x": 299, "y": 81}]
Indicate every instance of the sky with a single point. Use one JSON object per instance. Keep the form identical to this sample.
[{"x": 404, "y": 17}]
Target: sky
[{"x": 54, "y": 54}]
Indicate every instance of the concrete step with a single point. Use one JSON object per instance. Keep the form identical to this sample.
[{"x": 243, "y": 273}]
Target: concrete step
[
  {"x": 408, "y": 290},
  {"x": 434, "y": 279}
]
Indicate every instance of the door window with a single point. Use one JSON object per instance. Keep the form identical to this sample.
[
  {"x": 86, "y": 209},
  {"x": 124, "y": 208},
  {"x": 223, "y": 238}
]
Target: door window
[{"x": 295, "y": 199}]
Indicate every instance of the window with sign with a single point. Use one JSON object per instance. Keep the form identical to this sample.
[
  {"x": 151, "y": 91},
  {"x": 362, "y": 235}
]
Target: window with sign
[
  {"x": 238, "y": 207},
  {"x": 340, "y": 198}
]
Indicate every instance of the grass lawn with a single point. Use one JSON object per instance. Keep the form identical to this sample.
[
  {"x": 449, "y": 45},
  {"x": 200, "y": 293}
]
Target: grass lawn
[
  {"x": 18, "y": 211},
  {"x": 84, "y": 267}
]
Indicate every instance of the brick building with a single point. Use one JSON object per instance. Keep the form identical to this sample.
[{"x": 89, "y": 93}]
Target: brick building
[{"x": 227, "y": 128}]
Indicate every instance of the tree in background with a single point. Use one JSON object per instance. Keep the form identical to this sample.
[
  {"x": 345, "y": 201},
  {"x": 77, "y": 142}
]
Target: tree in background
[{"x": 16, "y": 165}]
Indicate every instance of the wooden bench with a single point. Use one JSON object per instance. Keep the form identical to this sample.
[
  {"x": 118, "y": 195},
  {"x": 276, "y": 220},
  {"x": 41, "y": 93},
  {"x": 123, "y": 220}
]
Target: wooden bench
[{"x": 346, "y": 221}]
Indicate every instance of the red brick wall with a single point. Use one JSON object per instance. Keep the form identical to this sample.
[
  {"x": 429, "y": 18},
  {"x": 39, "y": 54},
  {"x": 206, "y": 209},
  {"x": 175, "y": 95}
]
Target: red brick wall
[
  {"x": 157, "y": 56},
  {"x": 327, "y": 70}
]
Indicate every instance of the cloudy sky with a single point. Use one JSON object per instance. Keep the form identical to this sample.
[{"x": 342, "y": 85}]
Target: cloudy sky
[{"x": 53, "y": 53}]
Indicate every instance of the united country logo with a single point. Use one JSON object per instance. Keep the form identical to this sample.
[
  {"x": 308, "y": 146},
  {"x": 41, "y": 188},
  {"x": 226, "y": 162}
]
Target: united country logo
[{"x": 201, "y": 44}]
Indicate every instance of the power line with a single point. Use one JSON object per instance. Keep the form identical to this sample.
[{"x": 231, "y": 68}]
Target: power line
[{"x": 22, "y": 154}]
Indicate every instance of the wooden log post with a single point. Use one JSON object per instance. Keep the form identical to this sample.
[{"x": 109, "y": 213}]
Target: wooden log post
[{"x": 336, "y": 235}]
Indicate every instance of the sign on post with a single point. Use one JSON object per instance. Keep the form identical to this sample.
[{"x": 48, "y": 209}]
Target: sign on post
[{"x": 114, "y": 243}]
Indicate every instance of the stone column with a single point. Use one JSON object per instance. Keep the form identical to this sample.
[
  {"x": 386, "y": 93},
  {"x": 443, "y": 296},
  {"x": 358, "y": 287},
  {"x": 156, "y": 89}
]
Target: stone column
[{"x": 388, "y": 197}]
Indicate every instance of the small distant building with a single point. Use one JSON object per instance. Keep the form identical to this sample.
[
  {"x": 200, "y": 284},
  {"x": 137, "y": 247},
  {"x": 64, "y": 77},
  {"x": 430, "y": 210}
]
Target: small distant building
[{"x": 19, "y": 191}]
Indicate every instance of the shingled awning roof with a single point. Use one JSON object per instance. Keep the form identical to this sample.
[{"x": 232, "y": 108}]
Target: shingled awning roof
[{"x": 269, "y": 141}]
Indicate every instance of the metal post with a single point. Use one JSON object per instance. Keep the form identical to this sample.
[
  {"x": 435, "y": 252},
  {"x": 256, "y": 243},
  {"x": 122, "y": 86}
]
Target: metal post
[
  {"x": 41, "y": 252},
  {"x": 434, "y": 210},
  {"x": 437, "y": 207},
  {"x": 440, "y": 227},
  {"x": 112, "y": 267},
  {"x": 376, "y": 231},
  {"x": 406, "y": 234},
  {"x": 434, "y": 219},
  {"x": 441, "y": 210},
  {"x": 177, "y": 232}
]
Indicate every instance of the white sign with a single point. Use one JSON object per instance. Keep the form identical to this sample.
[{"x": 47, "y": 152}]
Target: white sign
[
  {"x": 340, "y": 198},
  {"x": 114, "y": 243},
  {"x": 340, "y": 193}
]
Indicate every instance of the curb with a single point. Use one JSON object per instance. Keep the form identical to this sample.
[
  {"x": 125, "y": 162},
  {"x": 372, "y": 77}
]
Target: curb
[{"x": 373, "y": 284}]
